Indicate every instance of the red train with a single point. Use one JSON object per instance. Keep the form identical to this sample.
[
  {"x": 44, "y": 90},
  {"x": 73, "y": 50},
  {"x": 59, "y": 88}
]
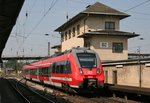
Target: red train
[{"x": 75, "y": 69}]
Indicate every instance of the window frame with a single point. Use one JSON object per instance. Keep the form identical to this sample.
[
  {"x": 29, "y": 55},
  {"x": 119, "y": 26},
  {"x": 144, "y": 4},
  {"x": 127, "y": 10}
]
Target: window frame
[
  {"x": 61, "y": 67},
  {"x": 117, "y": 47},
  {"x": 109, "y": 25},
  {"x": 80, "y": 56}
]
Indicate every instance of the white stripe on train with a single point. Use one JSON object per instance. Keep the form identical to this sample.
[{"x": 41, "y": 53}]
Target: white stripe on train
[{"x": 54, "y": 83}]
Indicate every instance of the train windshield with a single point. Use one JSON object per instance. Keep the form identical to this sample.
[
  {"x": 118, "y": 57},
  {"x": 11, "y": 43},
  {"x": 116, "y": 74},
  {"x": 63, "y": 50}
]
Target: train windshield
[{"x": 87, "y": 60}]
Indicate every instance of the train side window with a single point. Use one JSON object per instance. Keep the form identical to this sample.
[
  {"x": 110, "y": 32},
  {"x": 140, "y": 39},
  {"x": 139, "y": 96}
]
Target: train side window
[
  {"x": 62, "y": 66},
  {"x": 45, "y": 71},
  {"x": 25, "y": 72},
  {"x": 28, "y": 71},
  {"x": 53, "y": 67},
  {"x": 33, "y": 71},
  {"x": 49, "y": 70},
  {"x": 57, "y": 67},
  {"x": 68, "y": 67},
  {"x": 40, "y": 71},
  {"x": 37, "y": 71}
]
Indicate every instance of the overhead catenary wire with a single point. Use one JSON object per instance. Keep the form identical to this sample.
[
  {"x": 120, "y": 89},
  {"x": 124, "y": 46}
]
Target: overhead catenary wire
[
  {"x": 137, "y": 5},
  {"x": 70, "y": 0},
  {"x": 52, "y": 5},
  {"x": 29, "y": 11},
  {"x": 79, "y": 1},
  {"x": 42, "y": 18}
]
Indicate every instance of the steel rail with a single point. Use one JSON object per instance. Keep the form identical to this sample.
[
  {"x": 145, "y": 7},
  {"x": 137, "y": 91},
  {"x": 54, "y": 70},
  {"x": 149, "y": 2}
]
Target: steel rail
[
  {"x": 26, "y": 100},
  {"x": 18, "y": 83}
]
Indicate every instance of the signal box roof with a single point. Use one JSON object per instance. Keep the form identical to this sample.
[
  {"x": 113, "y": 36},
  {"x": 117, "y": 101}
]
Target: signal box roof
[{"x": 95, "y": 9}]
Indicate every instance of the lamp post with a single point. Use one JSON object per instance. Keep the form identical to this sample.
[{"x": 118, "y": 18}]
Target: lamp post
[
  {"x": 48, "y": 49},
  {"x": 139, "y": 62}
]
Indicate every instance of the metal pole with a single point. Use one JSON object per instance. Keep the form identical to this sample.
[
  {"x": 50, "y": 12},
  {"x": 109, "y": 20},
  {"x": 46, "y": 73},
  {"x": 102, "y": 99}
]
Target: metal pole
[
  {"x": 140, "y": 69},
  {"x": 48, "y": 48}
]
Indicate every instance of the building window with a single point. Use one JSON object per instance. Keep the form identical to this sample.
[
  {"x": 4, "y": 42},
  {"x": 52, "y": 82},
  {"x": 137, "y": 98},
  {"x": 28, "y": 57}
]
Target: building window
[
  {"x": 66, "y": 35},
  {"x": 103, "y": 44},
  {"x": 69, "y": 34},
  {"x": 62, "y": 37},
  {"x": 117, "y": 47},
  {"x": 87, "y": 44},
  {"x": 73, "y": 31},
  {"x": 110, "y": 25},
  {"x": 78, "y": 29}
]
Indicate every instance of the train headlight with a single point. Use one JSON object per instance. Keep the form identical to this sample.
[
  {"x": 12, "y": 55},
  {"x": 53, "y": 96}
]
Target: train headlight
[
  {"x": 98, "y": 70},
  {"x": 80, "y": 70}
]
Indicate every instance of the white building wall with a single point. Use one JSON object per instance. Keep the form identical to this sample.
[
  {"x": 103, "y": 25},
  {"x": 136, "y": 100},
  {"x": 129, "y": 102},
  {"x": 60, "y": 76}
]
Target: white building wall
[
  {"x": 92, "y": 23},
  {"x": 106, "y": 53},
  {"x": 129, "y": 74},
  {"x": 95, "y": 23},
  {"x": 146, "y": 75},
  {"x": 74, "y": 42}
]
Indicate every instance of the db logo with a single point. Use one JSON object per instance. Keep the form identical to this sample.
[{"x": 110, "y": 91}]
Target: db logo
[{"x": 90, "y": 72}]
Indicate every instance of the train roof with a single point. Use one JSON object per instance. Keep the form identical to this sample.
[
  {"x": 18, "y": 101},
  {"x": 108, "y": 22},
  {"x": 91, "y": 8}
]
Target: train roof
[
  {"x": 39, "y": 64},
  {"x": 46, "y": 63}
]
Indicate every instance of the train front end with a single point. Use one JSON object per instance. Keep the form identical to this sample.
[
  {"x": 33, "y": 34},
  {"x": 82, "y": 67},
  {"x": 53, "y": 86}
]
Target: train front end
[{"x": 87, "y": 69}]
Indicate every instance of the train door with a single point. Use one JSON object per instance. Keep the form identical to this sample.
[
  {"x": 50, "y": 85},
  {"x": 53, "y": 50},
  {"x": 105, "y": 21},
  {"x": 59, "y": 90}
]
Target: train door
[{"x": 115, "y": 77}]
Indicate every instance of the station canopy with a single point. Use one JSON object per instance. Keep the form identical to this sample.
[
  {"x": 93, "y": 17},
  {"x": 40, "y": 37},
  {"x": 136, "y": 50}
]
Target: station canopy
[{"x": 9, "y": 11}]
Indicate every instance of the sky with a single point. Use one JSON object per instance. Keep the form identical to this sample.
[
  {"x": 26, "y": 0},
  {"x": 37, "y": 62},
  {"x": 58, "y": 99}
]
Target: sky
[{"x": 40, "y": 17}]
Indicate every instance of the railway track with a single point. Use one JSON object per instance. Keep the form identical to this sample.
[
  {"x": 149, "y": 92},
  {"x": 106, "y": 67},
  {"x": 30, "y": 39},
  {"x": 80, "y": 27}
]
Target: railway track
[
  {"x": 82, "y": 98},
  {"x": 28, "y": 95}
]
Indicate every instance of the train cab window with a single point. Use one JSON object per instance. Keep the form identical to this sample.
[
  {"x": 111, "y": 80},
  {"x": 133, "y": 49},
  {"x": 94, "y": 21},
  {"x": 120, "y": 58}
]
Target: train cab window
[{"x": 87, "y": 60}]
